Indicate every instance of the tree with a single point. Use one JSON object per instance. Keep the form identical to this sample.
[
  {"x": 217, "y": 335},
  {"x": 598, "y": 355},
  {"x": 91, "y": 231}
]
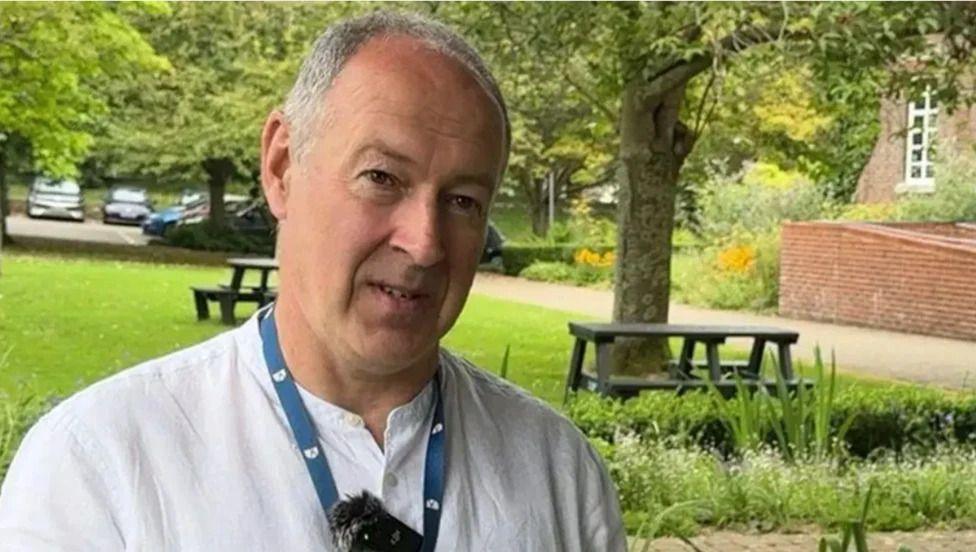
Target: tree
[
  {"x": 201, "y": 121},
  {"x": 53, "y": 58},
  {"x": 652, "y": 55}
]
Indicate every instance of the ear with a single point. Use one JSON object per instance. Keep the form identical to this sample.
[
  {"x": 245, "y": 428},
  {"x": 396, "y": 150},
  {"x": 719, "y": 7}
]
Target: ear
[{"x": 276, "y": 163}]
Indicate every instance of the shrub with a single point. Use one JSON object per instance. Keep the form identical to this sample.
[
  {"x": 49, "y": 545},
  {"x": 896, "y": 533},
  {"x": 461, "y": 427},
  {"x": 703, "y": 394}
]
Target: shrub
[
  {"x": 576, "y": 274},
  {"x": 754, "y": 202},
  {"x": 740, "y": 272},
  {"x": 895, "y": 419},
  {"x": 516, "y": 257},
  {"x": 208, "y": 237},
  {"x": 760, "y": 491}
]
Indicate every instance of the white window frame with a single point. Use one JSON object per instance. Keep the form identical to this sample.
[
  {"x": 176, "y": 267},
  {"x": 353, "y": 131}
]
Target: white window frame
[{"x": 924, "y": 181}]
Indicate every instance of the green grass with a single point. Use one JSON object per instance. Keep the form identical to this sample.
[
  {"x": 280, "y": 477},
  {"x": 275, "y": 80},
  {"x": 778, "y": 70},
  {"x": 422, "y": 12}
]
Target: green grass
[{"x": 67, "y": 322}]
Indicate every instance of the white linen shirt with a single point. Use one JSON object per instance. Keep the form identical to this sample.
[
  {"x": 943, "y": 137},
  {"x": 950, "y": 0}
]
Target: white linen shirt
[{"x": 192, "y": 451}]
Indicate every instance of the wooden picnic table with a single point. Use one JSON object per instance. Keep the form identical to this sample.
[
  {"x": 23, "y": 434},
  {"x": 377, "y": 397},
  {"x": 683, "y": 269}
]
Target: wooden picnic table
[
  {"x": 240, "y": 265},
  {"x": 681, "y": 375},
  {"x": 227, "y": 296}
]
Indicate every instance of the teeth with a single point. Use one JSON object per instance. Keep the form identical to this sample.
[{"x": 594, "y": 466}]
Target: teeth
[{"x": 393, "y": 293}]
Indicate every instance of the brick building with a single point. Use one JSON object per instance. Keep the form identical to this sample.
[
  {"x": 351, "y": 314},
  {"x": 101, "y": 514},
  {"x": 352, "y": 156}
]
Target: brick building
[{"x": 901, "y": 160}]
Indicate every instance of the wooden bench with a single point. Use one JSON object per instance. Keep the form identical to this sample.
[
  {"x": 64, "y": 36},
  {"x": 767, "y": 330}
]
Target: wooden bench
[
  {"x": 227, "y": 298},
  {"x": 681, "y": 376}
]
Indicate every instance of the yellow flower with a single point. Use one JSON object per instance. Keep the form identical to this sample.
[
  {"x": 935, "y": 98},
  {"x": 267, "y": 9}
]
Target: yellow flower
[{"x": 739, "y": 258}]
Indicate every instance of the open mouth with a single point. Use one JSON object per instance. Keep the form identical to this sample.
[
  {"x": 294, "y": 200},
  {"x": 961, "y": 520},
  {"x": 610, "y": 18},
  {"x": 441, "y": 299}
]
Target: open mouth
[{"x": 397, "y": 292}]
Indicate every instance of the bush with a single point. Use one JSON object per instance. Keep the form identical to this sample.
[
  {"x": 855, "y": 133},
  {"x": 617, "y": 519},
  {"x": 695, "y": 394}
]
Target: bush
[
  {"x": 517, "y": 257},
  {"x": 757, "y": 203},
  {"x": 208, "y": 237},
  {"x": 895, "y": 419},
  {"x": 740, "y": 272},
  {"x": 576, "y": 274},
  {"x": 760, "y": 491}
]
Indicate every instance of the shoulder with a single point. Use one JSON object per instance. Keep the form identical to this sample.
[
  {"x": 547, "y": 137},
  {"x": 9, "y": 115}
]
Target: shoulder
[
  {"x": 146, "y": 392},
  {"x": 486, "y": 399}
]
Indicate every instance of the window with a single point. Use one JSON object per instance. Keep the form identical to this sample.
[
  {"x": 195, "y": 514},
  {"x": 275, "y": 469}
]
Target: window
[{"x": 920, "y": 144}]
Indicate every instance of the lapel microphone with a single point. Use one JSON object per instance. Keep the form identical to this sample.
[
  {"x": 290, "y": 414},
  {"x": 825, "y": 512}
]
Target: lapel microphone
[{"x": 360, "y": 524}]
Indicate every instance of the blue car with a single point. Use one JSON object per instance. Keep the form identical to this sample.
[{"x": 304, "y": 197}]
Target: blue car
[{"x": 157, "y": 223}]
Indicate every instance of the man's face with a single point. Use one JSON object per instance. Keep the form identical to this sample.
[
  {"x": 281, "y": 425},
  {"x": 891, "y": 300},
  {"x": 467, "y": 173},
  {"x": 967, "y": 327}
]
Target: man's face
[{"x": 384, "y": 219}]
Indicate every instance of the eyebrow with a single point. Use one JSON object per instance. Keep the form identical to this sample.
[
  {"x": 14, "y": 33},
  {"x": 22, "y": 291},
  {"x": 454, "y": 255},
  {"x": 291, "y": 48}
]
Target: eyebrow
[
  {"x": 486, "y": 181},
  {"x": 381, "y": 149}
]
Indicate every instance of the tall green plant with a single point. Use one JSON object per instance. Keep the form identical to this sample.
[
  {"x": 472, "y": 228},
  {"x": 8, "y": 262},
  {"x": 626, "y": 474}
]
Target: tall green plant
[{"x": 800, "y": 421}]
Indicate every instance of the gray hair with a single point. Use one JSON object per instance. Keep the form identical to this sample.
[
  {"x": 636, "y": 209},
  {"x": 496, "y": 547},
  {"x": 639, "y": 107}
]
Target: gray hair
[{"x": 304, "y": 106}]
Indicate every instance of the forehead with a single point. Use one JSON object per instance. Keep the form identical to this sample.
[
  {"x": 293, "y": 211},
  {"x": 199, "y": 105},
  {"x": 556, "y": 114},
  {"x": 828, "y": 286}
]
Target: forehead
[{"x": 396, "y": 80}]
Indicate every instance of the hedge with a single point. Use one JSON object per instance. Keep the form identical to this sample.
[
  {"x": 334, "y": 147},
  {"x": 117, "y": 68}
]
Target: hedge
[
  {"x": 890, "y": 418},
  {"x": 515, "y": 257},
  {"x": 208, "y": 237}
]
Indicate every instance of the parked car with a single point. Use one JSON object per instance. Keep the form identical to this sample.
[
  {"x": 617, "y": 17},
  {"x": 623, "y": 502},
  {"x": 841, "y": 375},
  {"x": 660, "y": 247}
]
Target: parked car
[
  {"x": 191, "y": 196},
  {"x": 159, "y": 222},
  {"x": 126, "y": 205},
  {"x": 494, "y": 241},
  {"x": 47, "y": 197}
]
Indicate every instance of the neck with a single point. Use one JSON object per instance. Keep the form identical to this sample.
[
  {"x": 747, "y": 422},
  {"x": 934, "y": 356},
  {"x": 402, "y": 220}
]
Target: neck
[{"x": 344, "y": 379}]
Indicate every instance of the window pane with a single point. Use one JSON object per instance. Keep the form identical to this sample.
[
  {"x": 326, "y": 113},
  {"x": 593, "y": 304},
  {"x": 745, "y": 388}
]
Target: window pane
[
  {"x": 916, "y": 171},
  {"x": 932, "y": 120},
  {"x": 916, "y": 155},
  {"x": 933, "y": 103},
  {"x": 918, "y": 121},
  {"x": 929, "y": 172},
  {"x": 917, "y": 138},
  {"x": 920, "y": 104}
]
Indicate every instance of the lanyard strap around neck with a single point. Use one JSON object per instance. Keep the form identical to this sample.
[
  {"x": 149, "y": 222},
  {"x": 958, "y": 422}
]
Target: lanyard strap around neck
[{"x": 308, "y": 442}]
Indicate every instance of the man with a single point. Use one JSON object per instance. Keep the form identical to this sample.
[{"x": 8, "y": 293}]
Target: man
[{"x": 380, "y": 171}]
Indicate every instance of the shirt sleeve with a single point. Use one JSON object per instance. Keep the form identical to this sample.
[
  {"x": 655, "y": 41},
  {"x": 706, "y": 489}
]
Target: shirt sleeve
[
  {"x": 57, "y": 494},
  {"x": 604, "y": 527}
]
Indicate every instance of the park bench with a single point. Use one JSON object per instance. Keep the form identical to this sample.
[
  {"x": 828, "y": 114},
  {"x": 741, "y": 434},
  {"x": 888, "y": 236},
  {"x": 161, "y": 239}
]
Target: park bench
[
  {"x": 681, "y": 375},
  {"x": 228, "y": 296}
]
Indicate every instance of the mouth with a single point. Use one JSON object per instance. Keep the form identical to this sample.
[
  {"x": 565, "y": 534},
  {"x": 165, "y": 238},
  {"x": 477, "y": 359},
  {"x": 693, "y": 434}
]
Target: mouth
[{"x": 400, "y": 293}]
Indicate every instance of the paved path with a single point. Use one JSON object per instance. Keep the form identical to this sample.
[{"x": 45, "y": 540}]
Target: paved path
[
  {"x": 878, "y": 353},
  {"x": 90, "y": 230},
  {"x": 927, "y": 541}
]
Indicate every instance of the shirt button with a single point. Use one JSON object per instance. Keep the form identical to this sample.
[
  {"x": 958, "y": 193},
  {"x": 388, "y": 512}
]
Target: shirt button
[
  {"x": 391, "y": 480},
  {"x": 353, "y": 420}
]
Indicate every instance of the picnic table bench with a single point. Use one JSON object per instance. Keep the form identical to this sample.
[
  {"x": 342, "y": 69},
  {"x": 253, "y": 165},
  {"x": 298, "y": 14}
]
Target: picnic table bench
[
  {"x": 227, "y": 296},
  {"x": 681, "y": 376}
]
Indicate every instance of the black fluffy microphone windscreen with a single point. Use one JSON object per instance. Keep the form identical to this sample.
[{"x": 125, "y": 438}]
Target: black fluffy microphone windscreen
[{"x": 360, "y": 524}]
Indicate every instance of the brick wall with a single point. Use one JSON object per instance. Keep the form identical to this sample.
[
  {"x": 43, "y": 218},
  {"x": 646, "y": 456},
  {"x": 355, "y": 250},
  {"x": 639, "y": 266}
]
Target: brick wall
[{"x": 883, "y": 276}]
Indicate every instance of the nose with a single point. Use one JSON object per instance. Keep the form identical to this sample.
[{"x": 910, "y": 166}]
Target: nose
[{"x": 417, "y": 231}]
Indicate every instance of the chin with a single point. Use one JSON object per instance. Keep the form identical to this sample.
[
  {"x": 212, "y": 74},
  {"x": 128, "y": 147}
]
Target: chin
[{"x": 394, "y": 351}]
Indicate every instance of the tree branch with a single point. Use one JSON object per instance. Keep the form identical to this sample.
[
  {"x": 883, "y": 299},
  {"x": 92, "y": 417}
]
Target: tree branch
[
  {"x": 682, "y": 71},
  {"x": 590, "y": 98}
]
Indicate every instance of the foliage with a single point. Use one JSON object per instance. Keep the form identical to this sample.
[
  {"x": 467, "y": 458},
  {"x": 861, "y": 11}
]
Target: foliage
[
  {"x": 54, "y": 62},
  {"x": 517, "y": 257},
  {"x": 888, "y": 418},
  {"x": 575, "y": 274},
  {"x": 762, "y": 492},
  {"x": 757, "y": 199},
  {"x": 741, "y": 272},
  {"x": 802, "y": 422},
  {"x": 209, "y": 237}
]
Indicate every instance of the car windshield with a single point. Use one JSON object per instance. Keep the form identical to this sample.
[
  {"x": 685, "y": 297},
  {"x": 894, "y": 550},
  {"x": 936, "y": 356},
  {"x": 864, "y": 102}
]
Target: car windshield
[
  {"x": 63, "y": 187},
  {"x": 128, "y": 196}
]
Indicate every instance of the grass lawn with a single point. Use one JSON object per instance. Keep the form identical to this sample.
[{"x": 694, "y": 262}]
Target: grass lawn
[{"x": 65, "y": 323}]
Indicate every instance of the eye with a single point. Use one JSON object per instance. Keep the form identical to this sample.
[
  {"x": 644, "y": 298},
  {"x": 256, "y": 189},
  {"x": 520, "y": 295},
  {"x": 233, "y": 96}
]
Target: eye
[
  {"x": 381, "y": 178},
  {"x": 465, "y": 204}
]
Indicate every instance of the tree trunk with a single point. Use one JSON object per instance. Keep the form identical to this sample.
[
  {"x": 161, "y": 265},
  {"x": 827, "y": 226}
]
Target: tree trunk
[
  {"x": 534, "y": 191},
  {"x": 219, "y": 172},
  {"x": 653, "y": 146}
]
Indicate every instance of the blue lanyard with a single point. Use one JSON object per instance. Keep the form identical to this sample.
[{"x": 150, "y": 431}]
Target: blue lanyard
[{"x": 308, "y": 443}]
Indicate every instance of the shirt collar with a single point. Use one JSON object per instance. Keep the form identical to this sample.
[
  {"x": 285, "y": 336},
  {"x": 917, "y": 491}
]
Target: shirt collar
[{"x": 403, "y": 417}]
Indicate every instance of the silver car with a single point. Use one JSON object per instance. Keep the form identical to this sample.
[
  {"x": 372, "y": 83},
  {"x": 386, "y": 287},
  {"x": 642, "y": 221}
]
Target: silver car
[{"x": 48, "y": 197}]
